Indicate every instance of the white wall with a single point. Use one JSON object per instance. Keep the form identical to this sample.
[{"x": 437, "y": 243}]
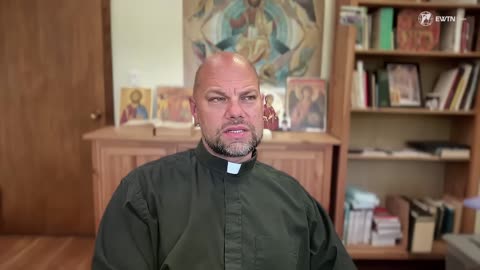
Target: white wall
[{"x": 147, "y": 43}]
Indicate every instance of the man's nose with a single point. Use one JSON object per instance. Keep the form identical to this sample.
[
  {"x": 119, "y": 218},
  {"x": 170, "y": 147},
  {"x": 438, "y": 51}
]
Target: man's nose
[{"x": 235, "y": 110}]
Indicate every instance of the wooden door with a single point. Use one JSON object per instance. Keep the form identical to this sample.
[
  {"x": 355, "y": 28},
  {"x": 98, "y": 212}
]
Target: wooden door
[{"x": 51, "y": 80}]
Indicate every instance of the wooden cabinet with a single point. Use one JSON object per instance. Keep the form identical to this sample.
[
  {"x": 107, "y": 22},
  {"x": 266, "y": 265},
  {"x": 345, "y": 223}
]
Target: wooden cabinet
[{"x": 117, "y": 151}]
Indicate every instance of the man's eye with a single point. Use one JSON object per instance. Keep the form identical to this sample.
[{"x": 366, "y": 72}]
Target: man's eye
[
  {"x": 216, "y": 99},
  {"x": 249, "y": 98}
]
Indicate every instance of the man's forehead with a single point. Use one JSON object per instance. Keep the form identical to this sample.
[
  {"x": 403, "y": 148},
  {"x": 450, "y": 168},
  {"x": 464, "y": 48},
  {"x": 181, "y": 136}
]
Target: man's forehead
[
  {"x": 227, "y": 80},
  {"x": 225, "y": 70}
]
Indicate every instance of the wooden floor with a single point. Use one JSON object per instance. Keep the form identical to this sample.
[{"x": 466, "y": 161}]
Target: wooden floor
[
  {"x": 41, "y": 252},
  {"x": 74, "y": 253}
]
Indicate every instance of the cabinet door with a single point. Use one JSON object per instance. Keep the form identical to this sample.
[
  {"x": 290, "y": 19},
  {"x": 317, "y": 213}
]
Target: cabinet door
[
  {"x": 114, "y": 161},
  {"x": 311, "y": 168}
]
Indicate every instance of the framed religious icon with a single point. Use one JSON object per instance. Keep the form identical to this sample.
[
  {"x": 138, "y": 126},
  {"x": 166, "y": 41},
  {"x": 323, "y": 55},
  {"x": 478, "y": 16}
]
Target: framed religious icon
[
  {"x": 172, "y": 106},
  {"x": 273, "y": 106},
  {"x": 307, "y": 104},
  {"x": 404, "y": 84},
  {"x": 135, "y": 105}
]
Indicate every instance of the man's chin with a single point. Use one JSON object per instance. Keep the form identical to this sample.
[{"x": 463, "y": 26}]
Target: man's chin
[{"x": 239, "y": 150}]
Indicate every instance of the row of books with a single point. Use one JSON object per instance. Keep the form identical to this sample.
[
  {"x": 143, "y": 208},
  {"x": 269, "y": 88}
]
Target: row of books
[
  {"x": 412, "y": 223},
  {"x": 457, "y": 87},
  {"x": 418, "y": 30},
  {"x": 418, "y": 149},
  {"x": 376, "y": 227},
  {"x": 359, "y": 216},
  {"x": 398, "y": 85},
  {"x": 442, "y": 149},
  {"x": 445, "y": 214},
  {"x": 369, "y": 88}
]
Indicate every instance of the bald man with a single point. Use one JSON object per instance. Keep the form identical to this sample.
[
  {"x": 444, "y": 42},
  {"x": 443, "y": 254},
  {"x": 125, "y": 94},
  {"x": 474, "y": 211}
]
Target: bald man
[{"x": 216, "y": 206}]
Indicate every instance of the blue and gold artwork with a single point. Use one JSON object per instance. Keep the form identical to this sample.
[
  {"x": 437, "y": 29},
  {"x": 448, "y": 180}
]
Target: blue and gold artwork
[{"x": 281, "y": 38}]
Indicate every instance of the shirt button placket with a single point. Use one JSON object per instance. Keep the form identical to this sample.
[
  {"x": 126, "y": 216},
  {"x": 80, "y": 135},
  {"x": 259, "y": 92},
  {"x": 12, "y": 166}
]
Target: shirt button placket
[{"x": 233, "y": 225}]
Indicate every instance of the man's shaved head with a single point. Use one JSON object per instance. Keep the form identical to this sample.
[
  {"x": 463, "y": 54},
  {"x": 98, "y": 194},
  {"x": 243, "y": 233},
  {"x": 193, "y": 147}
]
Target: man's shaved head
[{"x": 219, "y": 62}]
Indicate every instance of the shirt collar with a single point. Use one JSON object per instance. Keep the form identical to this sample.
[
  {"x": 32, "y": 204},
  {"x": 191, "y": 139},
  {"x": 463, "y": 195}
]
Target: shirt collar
[{"x": 220, "y": 164}]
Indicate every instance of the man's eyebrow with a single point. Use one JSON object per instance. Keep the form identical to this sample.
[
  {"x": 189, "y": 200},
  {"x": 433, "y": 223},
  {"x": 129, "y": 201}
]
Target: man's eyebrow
[
  {"x": 248, "y": 91},
  {"x": 215, "y": 91}
]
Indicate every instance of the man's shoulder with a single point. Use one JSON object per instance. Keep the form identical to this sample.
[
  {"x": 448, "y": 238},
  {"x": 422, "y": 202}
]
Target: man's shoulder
[
  {"x": 278, "y": 176},
  {"x": 166, "y": 164},
  {"x": 169, "y": 161}
]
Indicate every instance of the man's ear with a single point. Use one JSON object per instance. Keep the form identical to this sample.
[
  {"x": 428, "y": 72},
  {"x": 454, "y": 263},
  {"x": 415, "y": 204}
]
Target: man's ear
[{"x": 193, "y": 110}]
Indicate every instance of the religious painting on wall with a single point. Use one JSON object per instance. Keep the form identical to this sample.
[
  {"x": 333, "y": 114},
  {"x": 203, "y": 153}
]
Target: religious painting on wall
[
  {"x": 172, "y": 106},
  {"x": 281, "y": 38},
  {"x": 135, "y": 105},
  {"x": 307, "y": 104}
]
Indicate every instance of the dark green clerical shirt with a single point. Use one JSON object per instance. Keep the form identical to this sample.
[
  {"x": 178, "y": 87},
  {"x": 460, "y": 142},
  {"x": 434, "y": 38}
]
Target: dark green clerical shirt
[{"x": 192, "y": 210}]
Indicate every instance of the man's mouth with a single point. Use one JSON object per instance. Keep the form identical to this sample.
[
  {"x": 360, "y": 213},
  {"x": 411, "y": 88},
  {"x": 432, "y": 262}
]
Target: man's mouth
[{"x": 236, "y": 130}]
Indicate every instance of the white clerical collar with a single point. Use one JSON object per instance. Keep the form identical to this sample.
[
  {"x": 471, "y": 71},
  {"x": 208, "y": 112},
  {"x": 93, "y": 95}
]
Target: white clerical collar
[{"x": 233, "y": 168}]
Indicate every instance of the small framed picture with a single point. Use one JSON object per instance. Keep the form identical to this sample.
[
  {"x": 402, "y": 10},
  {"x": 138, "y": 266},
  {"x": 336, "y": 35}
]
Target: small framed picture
[
  {"x": 404, "y": 84},
  {"x": 273, "y": 106},
  {"x": 135, "y": 105},
  {"x": 172, "y": 105},
  {"x": 307, "y": 104}
]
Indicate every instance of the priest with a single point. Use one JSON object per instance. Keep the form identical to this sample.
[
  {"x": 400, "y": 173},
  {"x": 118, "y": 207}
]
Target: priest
[{"x": 216, "y": 207}]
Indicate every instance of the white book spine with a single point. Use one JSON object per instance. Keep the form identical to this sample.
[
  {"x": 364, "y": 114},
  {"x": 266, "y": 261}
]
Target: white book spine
[
  {"x": 368, "y": 226},
  {"x": 460, "y": 15},
  {"x": 361, "y": 84}
]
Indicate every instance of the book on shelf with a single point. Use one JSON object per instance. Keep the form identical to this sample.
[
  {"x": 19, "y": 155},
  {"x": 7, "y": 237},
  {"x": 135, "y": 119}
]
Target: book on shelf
[
  {"x": 163, "y": 128},
  {"x": 415, "y": 29},
  {"x": 451, "y": 32},
  {"x": 431, "y": 219},
  {"x": 382, "y": 29},
  {"x": 421, "y": 229},
  {"x": 370, "y": 152},
  {"x": 411, "y": 152},
  {"x": 386, "y": 229},
  {"x": 468, "y": 34},
  {"x": 358, "y": 208},
  {"x": 412, "y": 223},
  {"x": 442, "y": 149},
  {"x": 369, "y": 224},
  {"x": 370, "y": 89},
  {"x": 455, "y": 89},
  {"x": 412, "y": 35}
]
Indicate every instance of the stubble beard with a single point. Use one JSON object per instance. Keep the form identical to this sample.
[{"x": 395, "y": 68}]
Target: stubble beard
[{"x": 236, "y": 148}]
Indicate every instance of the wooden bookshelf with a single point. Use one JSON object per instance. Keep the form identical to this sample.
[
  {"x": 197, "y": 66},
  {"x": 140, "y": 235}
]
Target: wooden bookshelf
[
  {"x": 388, "y": 128},
  {"x": 410, "y": 4},
  {"x": 396, "y": 158},
  {"x": 428, "y": 54},
  {"x": 366, "y": 252},
  {"x": 419, "y": 111}
]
